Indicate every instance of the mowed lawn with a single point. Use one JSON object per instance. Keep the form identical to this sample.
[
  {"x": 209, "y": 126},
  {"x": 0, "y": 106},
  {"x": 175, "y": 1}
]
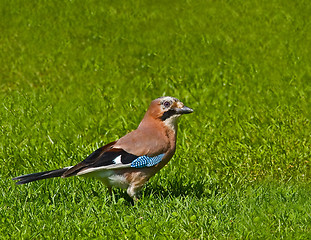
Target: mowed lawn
[{"x": 76, "y": 74}]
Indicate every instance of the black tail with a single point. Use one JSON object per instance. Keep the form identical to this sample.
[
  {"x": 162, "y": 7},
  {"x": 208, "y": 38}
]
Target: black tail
[{"x": 41, "y": 175}]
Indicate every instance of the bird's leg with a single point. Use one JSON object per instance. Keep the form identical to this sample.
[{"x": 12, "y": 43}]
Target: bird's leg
[
  {"x": 110, "y": 191},
  {"x": 133, "y": 192}
]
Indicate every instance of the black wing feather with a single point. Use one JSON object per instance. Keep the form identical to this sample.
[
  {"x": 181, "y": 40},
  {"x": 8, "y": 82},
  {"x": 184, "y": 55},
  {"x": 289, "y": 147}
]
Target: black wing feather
[{"x": 103, "y": 156}]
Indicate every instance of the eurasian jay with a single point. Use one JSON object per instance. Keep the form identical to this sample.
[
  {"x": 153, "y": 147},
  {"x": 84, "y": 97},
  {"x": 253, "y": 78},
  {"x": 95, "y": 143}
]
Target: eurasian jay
[{"x": 132, "y": 160}]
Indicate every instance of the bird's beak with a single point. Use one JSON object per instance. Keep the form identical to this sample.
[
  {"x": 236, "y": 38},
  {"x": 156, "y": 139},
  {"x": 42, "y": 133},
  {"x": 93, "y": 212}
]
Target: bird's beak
[{"x": 184, "y": 110}]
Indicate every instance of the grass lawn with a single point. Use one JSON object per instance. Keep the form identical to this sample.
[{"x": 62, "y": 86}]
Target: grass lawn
[{"x": 76, "y": 74}]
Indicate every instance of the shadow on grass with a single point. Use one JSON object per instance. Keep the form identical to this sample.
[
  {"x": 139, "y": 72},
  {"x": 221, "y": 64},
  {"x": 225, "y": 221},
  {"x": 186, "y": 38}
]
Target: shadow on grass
[
  {"x": 169, "y": 189},
  {"x": 175, "y": 189},
  {"x": 178, "y": 189}
]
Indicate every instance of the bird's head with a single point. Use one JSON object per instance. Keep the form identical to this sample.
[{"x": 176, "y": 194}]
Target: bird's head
[{"x": 168, "y": 110}]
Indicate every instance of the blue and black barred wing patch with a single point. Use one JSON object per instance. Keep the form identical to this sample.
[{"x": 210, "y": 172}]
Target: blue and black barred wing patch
[{"x": 145, "y": 161}]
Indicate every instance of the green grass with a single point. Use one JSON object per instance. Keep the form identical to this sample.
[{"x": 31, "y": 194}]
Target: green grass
[{"x": 75, "y": 75}]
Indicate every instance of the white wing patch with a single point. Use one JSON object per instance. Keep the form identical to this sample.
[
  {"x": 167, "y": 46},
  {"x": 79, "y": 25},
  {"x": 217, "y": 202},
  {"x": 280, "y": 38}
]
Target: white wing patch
[{"x": 117, "y": 160}]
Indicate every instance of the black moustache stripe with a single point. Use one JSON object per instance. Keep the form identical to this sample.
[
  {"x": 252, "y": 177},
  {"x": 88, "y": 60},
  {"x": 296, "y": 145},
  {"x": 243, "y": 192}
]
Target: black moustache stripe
[{"x": 168, "y": 114}]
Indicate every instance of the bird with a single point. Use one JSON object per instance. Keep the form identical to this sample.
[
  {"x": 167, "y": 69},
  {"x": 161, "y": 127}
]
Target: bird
[{"x": 130, "y": 161}]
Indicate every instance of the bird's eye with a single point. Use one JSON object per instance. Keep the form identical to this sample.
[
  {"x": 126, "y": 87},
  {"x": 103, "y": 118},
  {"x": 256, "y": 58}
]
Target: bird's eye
[{"x": 166, "y": 104}]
